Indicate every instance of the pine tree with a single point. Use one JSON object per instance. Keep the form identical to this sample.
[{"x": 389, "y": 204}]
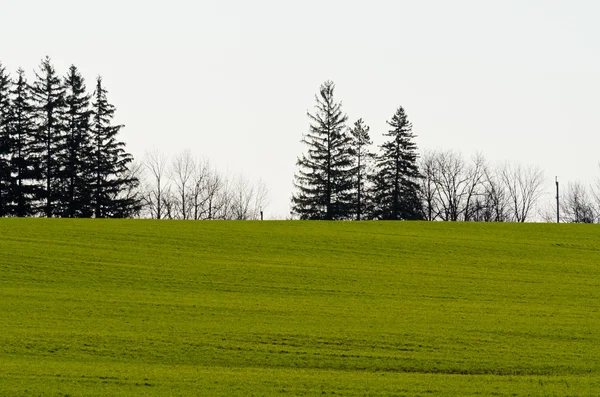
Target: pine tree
[
  {"x": 362, "y": 157},
  {"x": 49, "y": 103},
  {"x": 77, "y": 159},
  {"x": 112, "y": 180},
  {"x": 396, "y": 184},
  {"x": 6, "y": 143},
  {"x": 324, "y": 177},
  {"x": 24, "y": 164}
]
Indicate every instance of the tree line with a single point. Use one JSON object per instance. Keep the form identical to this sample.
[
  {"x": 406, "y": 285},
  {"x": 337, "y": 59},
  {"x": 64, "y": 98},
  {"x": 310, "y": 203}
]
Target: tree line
[
  {"x": 339, "y": 176},
  {"x": 189, "y": 188},
  {"x": 60, "y": 155}
]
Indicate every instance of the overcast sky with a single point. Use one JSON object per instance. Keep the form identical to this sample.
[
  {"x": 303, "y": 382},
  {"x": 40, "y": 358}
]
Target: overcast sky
[{"x": 232, "y": 80}]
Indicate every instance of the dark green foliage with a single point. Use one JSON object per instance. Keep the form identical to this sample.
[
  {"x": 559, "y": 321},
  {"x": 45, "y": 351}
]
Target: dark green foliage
[
  {"x": 396, "y": 187},
  {"x": 6, "y": 143},
  {"x": 324, "y": 177},
  {"x": 24, "y": 168},
  {"x": 58, "y": 156},
  {"x": 112, "y": 183},
  {"x": 362, "y": 162},
  {"x": 77, "y": 159},
  {"x": 49, "y": 103}
]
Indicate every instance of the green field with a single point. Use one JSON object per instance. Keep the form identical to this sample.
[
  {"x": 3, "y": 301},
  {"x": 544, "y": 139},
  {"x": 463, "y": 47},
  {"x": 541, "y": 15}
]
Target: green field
[{"x": 158, "y": 308}]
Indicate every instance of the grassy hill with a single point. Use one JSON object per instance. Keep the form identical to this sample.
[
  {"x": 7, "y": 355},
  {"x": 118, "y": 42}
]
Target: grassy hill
[{"x": 123, "y": 308}]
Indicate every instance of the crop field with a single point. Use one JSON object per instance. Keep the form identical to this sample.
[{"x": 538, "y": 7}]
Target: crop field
[{"x": 160, "y": 308}]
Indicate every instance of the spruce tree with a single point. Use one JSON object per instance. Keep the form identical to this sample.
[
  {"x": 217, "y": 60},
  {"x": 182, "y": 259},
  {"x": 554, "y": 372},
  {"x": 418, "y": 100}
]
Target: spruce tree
[
  {"x": 111, "y": 179},
  {"x": 6, "y": 143},
  {"x": 77, "y": 158},
  {"x": 49, "y": 103},
  {"x": 324, "y": 177},
  {"x": 396, "y": 181},
  {"x": 24, "y": 163},
  {"x": 362, "y": 157}
]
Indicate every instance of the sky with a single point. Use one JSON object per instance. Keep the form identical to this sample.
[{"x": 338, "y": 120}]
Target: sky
[{"x": 232, "y": 80}]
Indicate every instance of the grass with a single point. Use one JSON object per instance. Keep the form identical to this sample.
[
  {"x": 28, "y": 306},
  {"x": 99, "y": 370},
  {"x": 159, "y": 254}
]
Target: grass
[{"x": 121, "y": 308}]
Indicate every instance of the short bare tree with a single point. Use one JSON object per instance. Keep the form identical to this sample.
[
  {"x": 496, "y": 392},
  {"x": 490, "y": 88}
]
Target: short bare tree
[
  {"x": 247, "y": 200},
  {"x": 261, "y": 199},
  {"x": 242, "y": 198}
]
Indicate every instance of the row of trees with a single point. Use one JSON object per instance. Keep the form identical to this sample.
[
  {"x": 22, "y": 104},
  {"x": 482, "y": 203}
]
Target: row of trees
[
  {"x": 59, "y": 151},
  {"x": 188, "y": 188},
  {"x": 340, "y": 177},
  {"x": 60, "y": 156},
  {"x": 454, "y": 189}
]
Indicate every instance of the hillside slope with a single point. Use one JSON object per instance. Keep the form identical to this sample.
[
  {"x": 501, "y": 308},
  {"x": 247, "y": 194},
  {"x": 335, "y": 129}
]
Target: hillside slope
[{"x": 136, "y": 307}]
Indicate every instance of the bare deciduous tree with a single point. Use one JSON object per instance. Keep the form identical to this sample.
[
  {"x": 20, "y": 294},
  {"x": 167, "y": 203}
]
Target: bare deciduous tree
[
  {"x": 457, "y": 184},
  {"x": 450, "y": 179},
  {"x": 577, "y": 206},
  {"x": 156, "y": 165},
  {"x": 198, "y": 195},
  {"x": 261, "y": 198},
  {"x": 241, "y": 199},
  {"x": 524, "y": 188},
  {"x": 218, "y": 197},
  {"x": 429, "y": 187},
  {"x": 182, "y": 173},
  {"x": 247, "y": 200},
  {"x": 496, "y": 196},
  {"x": 476, "y": 173}
]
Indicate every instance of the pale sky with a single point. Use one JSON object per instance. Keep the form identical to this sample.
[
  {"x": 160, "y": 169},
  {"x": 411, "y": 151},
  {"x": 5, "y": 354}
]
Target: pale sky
[{"x": 232, "y": 80}]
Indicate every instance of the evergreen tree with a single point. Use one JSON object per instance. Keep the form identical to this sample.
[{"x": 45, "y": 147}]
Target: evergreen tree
[
  {"x": 112, "y": 180},
  {"x": 362, "y": 161},
  {"x": 77, "y": 159},
  {"x": 49, "y": 103},
  {"x": 24, "y": 163},
  {"x": 324, "y": 177},
  {"x": 396, "y": 187},
  {"x": 6, "y": 143}
]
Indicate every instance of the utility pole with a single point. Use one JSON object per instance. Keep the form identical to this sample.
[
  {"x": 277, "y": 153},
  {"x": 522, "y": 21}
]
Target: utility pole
[{"x": 557, "y": 203}]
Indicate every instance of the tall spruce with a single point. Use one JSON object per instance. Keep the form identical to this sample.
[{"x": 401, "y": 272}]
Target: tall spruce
[
  {"x": 6, "y": 143},
  {"x": 362, "y": 156},
  {"x": 111, "y": 177},
  {"x": 24, "y": 163},
  {"x": 324, "y": 177},
  {"x": 49, "y": 103},
  {"x": 396, "y": 180},
  {"x": 77, "y": 158}
]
